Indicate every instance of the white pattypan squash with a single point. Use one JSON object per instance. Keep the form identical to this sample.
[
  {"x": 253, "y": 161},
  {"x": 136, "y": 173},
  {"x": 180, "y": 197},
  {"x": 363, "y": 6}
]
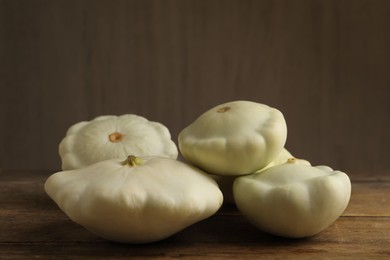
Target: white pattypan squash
[
  {"x": 140, "y": 200},
  {"x": 234, "y": 138},
  {"x": 293, "y": 199},
  {"x": 109, "y": 137}
]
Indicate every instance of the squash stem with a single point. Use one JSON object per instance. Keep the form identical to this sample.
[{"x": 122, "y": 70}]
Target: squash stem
[
  {"x": 223, "y": 109},
  {"x": 291, "y": 160},
  {"x": 132, "y": 161}
]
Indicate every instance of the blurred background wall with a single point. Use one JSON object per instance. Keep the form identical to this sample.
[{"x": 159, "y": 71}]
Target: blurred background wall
[{"x": 324, "y": 64}]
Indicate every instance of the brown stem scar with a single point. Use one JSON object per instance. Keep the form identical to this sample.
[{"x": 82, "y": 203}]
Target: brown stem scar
[
  {"x": 223, "y": 109},
  {"x": 115, "y": 137}
]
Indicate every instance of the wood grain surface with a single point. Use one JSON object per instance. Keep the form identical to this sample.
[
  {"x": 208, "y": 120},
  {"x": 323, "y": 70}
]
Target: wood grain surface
[
  {"x": 32, "y": 226},
  {"x": 325, "y": 64}
]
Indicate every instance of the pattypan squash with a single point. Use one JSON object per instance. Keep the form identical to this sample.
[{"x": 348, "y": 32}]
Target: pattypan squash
[
  {"x": 109, "y": 137},
  {"x": 293, "y": 199},
  {"x": 139, "y": 200},
  {"x": 235, "y": 138}
]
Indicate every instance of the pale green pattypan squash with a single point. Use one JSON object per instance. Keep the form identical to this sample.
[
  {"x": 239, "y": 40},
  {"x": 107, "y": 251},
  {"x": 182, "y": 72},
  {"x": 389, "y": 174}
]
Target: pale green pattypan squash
[
  {"x": 140, "y": 200},
  {"x": 226, "y": 182},
  {"x": 234, "y": 138},
  {"x": 109, "y": 137},
  {"x": 293, "y": 199}
]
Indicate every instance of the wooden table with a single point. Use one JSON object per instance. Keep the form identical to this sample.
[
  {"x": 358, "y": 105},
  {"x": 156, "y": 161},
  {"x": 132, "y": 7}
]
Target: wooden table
[{"x": 32, "y": 226}]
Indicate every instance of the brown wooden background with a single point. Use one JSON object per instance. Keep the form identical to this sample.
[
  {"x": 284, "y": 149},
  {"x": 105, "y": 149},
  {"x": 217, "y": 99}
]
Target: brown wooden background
[{"x": 324, "y": 64}]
